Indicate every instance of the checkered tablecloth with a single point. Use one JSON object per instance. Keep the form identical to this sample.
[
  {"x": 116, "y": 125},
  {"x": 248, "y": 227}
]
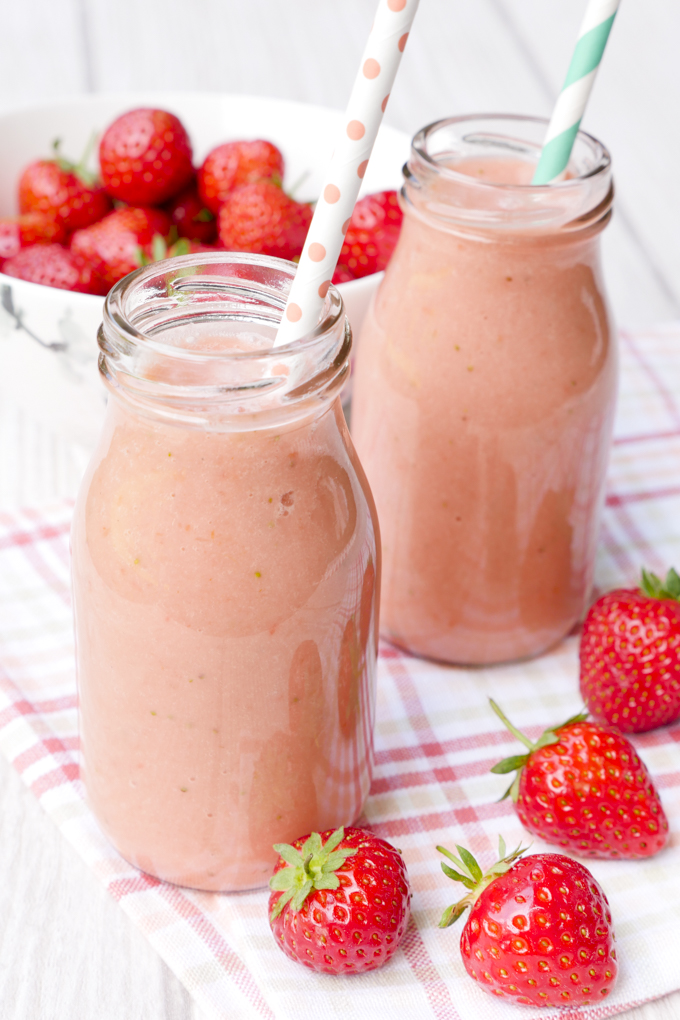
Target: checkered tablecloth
[{"x": 435, "y": 742}]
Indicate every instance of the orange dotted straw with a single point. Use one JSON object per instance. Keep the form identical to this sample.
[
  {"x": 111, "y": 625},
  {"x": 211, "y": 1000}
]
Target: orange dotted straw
[{"x": 353, "y": 148}]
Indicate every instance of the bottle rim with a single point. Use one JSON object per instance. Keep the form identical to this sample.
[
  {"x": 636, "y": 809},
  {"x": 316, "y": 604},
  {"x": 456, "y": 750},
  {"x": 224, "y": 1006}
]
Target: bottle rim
[
  {"x": 194, "y": 382},
  {"x": 419, "y": 143},
  {"x": 459, "y": 202},
  {"x": 117, "y": 304}
]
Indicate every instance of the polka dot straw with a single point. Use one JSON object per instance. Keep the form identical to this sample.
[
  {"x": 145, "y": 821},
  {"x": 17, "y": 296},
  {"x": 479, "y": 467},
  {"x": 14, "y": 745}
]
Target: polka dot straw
[{"x": 364, "y": 114}]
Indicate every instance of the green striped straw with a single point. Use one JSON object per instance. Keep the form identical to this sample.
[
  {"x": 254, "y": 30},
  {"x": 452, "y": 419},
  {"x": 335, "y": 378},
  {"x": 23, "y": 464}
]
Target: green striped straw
[{"x": 571, "y": 104}]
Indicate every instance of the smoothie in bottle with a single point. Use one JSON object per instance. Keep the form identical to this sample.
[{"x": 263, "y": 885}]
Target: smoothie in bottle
[
  {"x": 226, "y": 568},
  {"x": 484, "y": 393}
]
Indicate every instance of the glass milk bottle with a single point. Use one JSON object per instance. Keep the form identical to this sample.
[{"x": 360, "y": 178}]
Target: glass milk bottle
[
  {"x": 226, "y": 567},
  {"x": 484, "y": 393}
]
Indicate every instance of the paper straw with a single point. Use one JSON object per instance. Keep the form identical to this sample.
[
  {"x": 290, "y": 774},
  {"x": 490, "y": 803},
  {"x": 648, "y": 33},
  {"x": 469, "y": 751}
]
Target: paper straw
[
  {"x": 364, "y": 114},
  {"x": 571, "y": 104}
]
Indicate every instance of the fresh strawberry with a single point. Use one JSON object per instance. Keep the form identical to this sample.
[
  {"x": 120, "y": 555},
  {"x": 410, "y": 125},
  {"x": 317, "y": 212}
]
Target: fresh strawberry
[
  {"x": 10, "y": 239},
  {"x": 145, "y": 157},
  {"x": 583, "y": 787},
  {"x": 372, "y": 234},
  {"x": 112, "y": 246},
  {"x": 53, "y": 266},
  {"x": 630, "y": 655},
  {"x": 539, "y": 931},
  {"x": 340, "y": 901},
  {"x": 18, "y": 232},
  {"x": 41, "y": 228},
  {"x": 261, "y": 218},
  {"x": 63, "y": 190},
  {"x": 342, "y": 275},
  {"x": 236, "y": 163},
  {"x": 191, "y": 217}
]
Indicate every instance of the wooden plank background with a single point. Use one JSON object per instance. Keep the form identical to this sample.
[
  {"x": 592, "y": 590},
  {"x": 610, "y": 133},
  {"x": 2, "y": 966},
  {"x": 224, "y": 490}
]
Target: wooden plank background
[{"x": 66, "y": 950}]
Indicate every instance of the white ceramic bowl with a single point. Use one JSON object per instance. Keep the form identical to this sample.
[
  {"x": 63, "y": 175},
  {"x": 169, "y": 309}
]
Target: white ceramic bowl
[{"x": 51, "y": 399}]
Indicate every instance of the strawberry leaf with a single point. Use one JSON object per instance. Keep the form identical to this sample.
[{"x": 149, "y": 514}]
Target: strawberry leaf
[
  {"x": 673, "y": 583},
  {"x": 204, "y": 216},
  {"x": 452, "y": 913},
  {"x": 655, "y": 588},
  {"x": 502, "y": 849},
  {"x": 470, "y": 863},
  {"x": 282, "y": 880},
  {"x": 335, "y": 839},
  {"x": 456, "y": 860},
  {"x": 289, "y": 853},
  {"x": 450, "y": 873},
  {"x": 517, "y": 761},
  {"x": 159, "y": 248},
  {"x": 336, "y": 859},
  {"x": 280, "y": 904},
  {"x": 326, "y": 882},
  {"x": 301, "y": 895}
]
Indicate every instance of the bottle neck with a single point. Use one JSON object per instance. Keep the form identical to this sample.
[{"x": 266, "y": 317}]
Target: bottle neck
[
  {"x": 189, "y": 341},
  {"x": 472, "y": 176}
]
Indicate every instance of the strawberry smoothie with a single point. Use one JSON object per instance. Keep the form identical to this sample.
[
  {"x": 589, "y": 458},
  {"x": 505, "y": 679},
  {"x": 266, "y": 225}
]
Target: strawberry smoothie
[
  {"x": 226, "y": 570},
  {"x": 484, "y": 394}
]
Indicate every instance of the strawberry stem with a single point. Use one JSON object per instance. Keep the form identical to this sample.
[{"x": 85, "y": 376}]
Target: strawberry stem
[{"x": 513, "y": 729}]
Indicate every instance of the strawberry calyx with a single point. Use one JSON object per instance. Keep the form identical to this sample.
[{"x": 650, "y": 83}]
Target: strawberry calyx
[
  {"x": 162, "y": 248},
  {"x": 203, "y": 216},
  {"x": 311, "y": 867},
  {"x": 516, "y": 762},
  {"x": 79, "y": 169},
  {"x": 655, "y": 588},
  {"x": 471, "y": 876}
]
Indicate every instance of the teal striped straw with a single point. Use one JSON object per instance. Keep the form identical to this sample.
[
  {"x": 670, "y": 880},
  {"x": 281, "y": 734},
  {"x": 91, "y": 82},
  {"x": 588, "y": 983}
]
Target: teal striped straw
[{"x": 571, "y": 104}]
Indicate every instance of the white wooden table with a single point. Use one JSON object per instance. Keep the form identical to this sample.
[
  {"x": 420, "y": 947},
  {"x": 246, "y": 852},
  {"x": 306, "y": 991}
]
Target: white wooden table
[{"x": 66, "y": 950}]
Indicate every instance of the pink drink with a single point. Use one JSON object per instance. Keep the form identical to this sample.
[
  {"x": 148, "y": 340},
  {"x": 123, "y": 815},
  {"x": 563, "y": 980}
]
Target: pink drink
[
  {"x": 484, "y": 395},
  {"x": 226, "y": 568}
]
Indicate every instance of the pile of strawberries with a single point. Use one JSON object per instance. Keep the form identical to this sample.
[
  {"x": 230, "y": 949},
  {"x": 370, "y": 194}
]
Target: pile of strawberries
[
  {"x": 80, "y": 232},
  {"x": 540, "y": 930}
]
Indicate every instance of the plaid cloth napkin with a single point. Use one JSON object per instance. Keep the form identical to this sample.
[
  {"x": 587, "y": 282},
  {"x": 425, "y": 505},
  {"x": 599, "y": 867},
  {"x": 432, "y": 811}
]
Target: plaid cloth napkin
[{"x": 436, "y": 740}]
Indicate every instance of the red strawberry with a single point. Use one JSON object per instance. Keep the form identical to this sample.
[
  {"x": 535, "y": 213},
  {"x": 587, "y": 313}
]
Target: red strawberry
[
  {"x": 53, "y": 266},
  {"x": 191, "y": 217},
  {"x": 342, "y": 275},
  {"x": 372, "y": 234},
  {"x": 236, "y": 163},
  {"x": 41, "y": 228},
  {"x": 583, "y": 786},
  {"x": 630, "y": 655},
  {"x": 145, "y": 157},
  {"x": 63, "y": 190},
  {"x": 261, "y": 218},
  {"x": 112, "y": 246},
  {"x": 10, "y": 239},
  {"x": 539, "y": 931},
  {"x": 18, "y": 232},
  {"x": 340, "y": 901}
]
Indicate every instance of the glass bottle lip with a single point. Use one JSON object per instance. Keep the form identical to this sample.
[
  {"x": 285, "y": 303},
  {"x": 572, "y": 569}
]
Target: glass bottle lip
[
  {"x": 601, "y": 156},
  {"x": 460, "y": 202},
  {"x": 117, "y": 304},
  {"x": 166, "y": 326}
]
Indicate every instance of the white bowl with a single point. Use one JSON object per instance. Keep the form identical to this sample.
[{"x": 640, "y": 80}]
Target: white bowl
[{"x": 51, "y": 398}]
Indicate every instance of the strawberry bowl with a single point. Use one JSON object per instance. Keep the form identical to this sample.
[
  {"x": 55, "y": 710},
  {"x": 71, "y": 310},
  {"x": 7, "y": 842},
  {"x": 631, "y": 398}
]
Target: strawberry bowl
[{"x": 51, "y": 397}]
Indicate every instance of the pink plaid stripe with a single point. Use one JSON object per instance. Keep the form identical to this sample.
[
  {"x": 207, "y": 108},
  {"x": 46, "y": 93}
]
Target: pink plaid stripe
[{"x": 435, "y": 743}]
